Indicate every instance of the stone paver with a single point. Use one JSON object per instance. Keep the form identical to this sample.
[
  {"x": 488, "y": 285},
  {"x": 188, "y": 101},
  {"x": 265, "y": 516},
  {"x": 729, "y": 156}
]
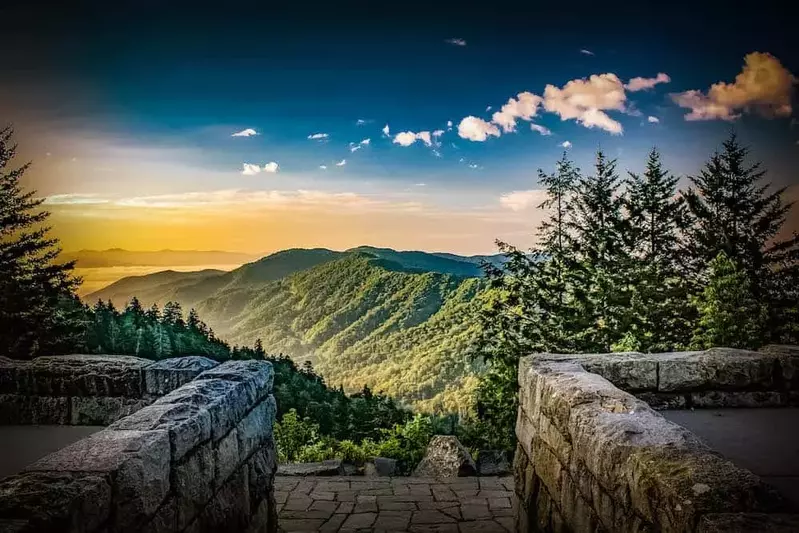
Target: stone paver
[{"x": 401, "y": 504}]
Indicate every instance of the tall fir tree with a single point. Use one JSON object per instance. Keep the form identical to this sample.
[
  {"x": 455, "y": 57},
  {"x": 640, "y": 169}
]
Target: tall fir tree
[
  {"x": 732, "y": 210},
  {"x": 659, "y": 304},
  {"x": 39, "y": 312}
]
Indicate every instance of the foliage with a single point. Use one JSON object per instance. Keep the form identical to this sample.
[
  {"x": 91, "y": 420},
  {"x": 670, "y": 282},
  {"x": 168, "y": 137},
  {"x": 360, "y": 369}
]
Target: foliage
[
  {"x": 39, "y": 312},
  {"x": 293, "y": 434}
]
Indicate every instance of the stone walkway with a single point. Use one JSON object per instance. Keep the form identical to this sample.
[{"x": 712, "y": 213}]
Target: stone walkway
[{"x": 419, "y": 505}]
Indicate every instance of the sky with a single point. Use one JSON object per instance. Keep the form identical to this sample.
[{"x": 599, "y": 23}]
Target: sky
[{"x": 254, "y": 128}]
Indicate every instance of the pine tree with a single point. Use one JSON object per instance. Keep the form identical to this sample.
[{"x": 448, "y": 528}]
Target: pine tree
[
  {"x": 733, "y": 211},
  {"x": 39, "y": 313},
  {"x": 659, "y": 304},
  {"x": 259, "y": 349},
  {"x": 729, "y": 313}
]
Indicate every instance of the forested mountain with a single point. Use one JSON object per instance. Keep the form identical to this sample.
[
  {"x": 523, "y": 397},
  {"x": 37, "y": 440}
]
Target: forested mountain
[
  {"x": 119, "y": 257},
  {"x": 367, "y": 316}
]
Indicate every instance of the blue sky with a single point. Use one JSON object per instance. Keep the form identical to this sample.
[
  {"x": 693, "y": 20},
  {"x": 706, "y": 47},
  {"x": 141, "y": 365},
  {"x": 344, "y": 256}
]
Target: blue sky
[{"x": 136, "y": 106}]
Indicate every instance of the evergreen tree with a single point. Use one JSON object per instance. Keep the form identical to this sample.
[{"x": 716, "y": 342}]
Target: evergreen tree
[
  {"x": 258, "y": 349},
  {"x": 659, "y": 305},
  {"x": 39, "y": 313},
  {"x": 733, "y": 211},
  {"x": 729, "y": 313}
]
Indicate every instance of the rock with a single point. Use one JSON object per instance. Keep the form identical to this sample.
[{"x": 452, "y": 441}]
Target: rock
[
  {"x": 101, "y": 410},
  {"x": 381, "y": 466},
  {"x": 333, "y": 467},
  {"x": 86, "y": 375},
  {"x": 493, "y": 463},
  {"x": 167, "y": 375},
  {"x": 256, "y": 374},
  {"x": 446, "y": 457},
  {"x": 748, "y": 522}
]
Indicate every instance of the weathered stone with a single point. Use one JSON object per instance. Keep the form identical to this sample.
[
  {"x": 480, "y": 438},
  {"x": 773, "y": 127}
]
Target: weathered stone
[
  {"x": 45, "y": 410},
  {"x": 492, "y": 463},
  {"x": 630, "y": 372},
  {"x": 187, "y": 423},
  {"x": 714, "y": 399},
  {"x": 229, "y": 510},
  {"x": 87, "y": 375},
  {"x": 13, "y": 376},
  {"x": 381, "y": 466},
  {"x": 359, "y": 521},
  {"x": 193, "y": 483},
  {"x": 446, "y": 457},
  {"x": 262, "y": 466},
  {"x": 748, "y": 523},
  {"x": 325, "y": 468},
  {"x": 226, "y": 458},
  {"x": 663, "y": 400},
  {"x": 102, "y": 410},
  {"x": 256, "y": 427},
  {"x": 74, "y": 501},
  {"x": 138, "y": 465},
  {"x": 257, "y": 374},
  {"x": 167, "y": 375},
  {"x": 165, "y": 519},
  {"x": 715, "y": 369}
]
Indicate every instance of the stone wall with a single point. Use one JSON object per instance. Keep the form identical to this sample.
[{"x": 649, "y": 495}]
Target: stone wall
[
  {"x": 592, "y": 457},
  {"x": 88, "y": 389},
  {"x": 199, "y": 459}
]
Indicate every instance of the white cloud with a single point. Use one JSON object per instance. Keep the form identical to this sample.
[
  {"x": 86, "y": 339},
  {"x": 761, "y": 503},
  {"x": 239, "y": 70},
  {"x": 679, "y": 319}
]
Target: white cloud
[
  {"x": 75, "y": 199},
  {"x": 249, "y": 132},
  {"x": 250, "y": 170},
  {"x": 449, "y": 125},
  {"x": 365, "y": 142},
  {"x": 341, "y": 163},
  {"x": 543, "y": 130},
  {"x": 521, "y": 200},
  {"x": 318, "y": 136},
  {"x": 386, "y": 130},
  {"x": 473, "y": 165},
  {"x": 524, "y": 106},
  {"x": 271, "y": 167},
  {"x": 438, "y": 133},
  {"x": 456, "y": 41},
  {"x": 488, "y": 108},
  {"x": 420, "y": 184},
  {"x": 587, "y": 52},
  {"x": 360, "y": 122},
  {"x": 644, "y": 84},
  {"x": 764, "y": 86},
  {"x": 323, "y": 167},
  {"x": 566, "y": 144},
  {"x": 355, "y": 147},
  {"x": 476, "y": 129},
  {"x": 407, "y": 138},
  {"x": 436, "y": 153},
  {"x": 653, "y": 120},
  {"x": 586, "y": 101}
]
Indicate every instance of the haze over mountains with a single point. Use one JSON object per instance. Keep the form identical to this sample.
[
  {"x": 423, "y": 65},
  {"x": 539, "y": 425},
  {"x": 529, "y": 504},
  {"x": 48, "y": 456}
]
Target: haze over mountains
[
  {"x": 116, "y": 257},
  {"x": 400, "y": 322}
]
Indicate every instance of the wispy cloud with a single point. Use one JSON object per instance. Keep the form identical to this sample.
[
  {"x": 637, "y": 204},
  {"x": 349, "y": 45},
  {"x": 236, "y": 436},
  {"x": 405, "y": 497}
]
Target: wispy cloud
[
  {"x": 385, "y": 130},
  {"x": 566, "y": 144},
  {"x": 521, "y": 200},
  {"x": 645, "y": 84},
  {"x": 587, "y": 52},
  {"x": 75, "y": 199},
  {"x": 360, "y": 122},
  {"x": 249, "y": 132},
  {"x": 436, "y": 153},
  {"x": 318, "y": 136},
  {"x": 456, "y": 41},
  {"x": 366, "y": 142},
  {"x": 251, "y": 170},
  {"x": 355, "y": 147},
  {"x": 764, "y": 87},
  {"x": 543, "y": 130},
  {"x": 271, "y": 167},
  {"x": 652, "y": 120},
  {"x": 341, "y": 163},
  {"x": 449, "y": 125},
  {"x": 323, "y": 167}
]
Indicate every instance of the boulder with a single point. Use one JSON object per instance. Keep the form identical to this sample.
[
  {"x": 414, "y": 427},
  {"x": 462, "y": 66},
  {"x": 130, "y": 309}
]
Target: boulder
[
  {"x": 493, "y": 463},
  {"x": 381, "y": 466},
  {"x": 446, "y": 457},
  {"x": 333, "y": 467}
]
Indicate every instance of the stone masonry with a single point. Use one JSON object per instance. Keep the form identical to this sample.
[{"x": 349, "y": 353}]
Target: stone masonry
[
  {"x": 200, "y": 458},
  {"x": 592, "y": 457}
]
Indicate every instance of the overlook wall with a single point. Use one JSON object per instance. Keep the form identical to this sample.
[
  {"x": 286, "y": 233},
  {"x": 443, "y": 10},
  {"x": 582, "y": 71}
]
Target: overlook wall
[
  {"x": 88, "y": 389},
  {"x": 200, "y": 458},
  {"x": 592, "y": 457}
]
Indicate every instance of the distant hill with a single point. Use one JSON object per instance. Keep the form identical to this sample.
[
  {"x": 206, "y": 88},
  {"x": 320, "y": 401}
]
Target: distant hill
[
  {"x": 400, "y": 322},
  {"x": 119, "y": 257}
]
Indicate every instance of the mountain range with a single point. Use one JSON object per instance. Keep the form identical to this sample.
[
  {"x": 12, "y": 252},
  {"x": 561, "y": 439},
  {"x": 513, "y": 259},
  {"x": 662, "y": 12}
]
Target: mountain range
[
  {"x": 400, "y": 322},
  {"x": 117, "y": 257}
]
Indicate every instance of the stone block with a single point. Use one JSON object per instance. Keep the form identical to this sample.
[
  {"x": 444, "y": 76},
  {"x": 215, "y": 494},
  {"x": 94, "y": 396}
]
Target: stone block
[
  {"x": 262, "y": 466},
  {"x": 193, "y": 483},
  {"x": 635, "y": 372},
  {"x": 547, "y": 467},
  {"x": 45, "y": 410},
  {"x": 102, "y": 410},
  {"x": 137, "y": 462},
  {"x": 87, "y": 375},
  {"x": 69, "y": 501},
  {"x": 186, "y": 421},
  {"x": 716, "y": 369},
  {"x": 162, "y": 377},
  {"x": 258, "y": 374},
  {"x": 229, "y": 510},
  {"x": 445, "y": 457},
  {"x": 748, "y": 522},
  {"x": 13, "y": 376},
  {"x": 575, "y": 509},
  {"x": 716, "y": 399},
  {"x": 663, "y": 400},
  {"x": 226, "y": 458},
  {"x": 256, "y": 428},
  {"x": 165, "y": 519}
]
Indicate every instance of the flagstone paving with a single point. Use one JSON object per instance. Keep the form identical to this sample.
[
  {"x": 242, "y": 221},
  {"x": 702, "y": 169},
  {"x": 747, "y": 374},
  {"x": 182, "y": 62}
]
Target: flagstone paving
[{"x": 400, "y": 504}]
